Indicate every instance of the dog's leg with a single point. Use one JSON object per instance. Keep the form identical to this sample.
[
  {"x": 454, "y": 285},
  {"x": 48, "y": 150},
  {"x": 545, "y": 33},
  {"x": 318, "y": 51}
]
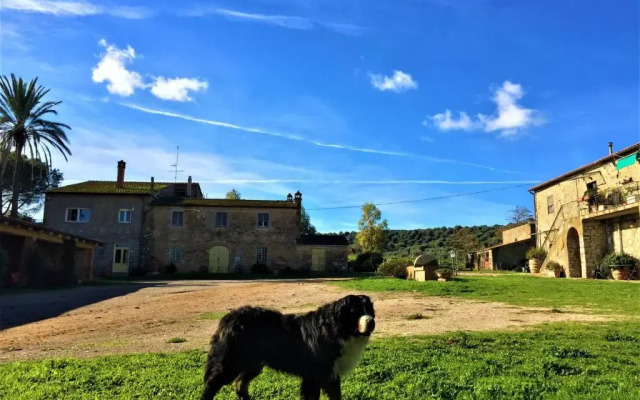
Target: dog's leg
[
  {"x": 243, "y": 381},
  {"x": 332, "y": 389},
  {"x": 310, "y": 389},
  {"x": 214, "y": 380}
]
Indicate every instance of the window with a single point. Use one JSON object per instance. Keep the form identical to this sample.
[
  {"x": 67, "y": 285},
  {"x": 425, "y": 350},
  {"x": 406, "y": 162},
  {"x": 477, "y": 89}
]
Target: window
[
  {"x": 221, "y": 219},
  {"x": 175, "y": 254},
  {"x": 550, "y": 208},
  {"x": 262, "y": 255},
  {"x": 78, "y": 215},
  {"x": 177, "y": 218},
  {"x": 263, "y": 220},
  {"x": 124, "y": 216}
]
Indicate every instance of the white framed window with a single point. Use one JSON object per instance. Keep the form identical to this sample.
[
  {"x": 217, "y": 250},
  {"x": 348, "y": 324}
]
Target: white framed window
[
  {"x": 550, "y": 206},
  {"x": 78, "y": 215},
  {"x": 262, "y": 255},
  {"x": 175, "y": 254},
  {"x": 124, "y": 216},
  {"x": 221, "y": 220},
  {"x": 177, "y": 218},
  {"x": 263, "y": 220}
]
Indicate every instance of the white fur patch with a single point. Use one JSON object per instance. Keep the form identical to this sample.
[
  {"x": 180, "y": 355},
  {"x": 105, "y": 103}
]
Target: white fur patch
[{"x": 351, "y": 353}]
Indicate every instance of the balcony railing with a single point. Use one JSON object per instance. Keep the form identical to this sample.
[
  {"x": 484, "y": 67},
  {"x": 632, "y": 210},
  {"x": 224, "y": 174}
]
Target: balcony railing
[{"x": 614, "y": 199}]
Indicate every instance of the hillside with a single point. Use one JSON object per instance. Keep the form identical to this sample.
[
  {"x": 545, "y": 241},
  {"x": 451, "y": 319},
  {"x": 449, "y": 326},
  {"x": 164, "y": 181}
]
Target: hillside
[{"x": 434, "y": 240}]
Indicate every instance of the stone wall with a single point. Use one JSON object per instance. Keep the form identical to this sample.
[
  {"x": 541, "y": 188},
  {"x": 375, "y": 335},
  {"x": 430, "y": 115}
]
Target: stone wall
[
  {"x": 241, "y": 237},
  {"x": 511, "y": 255},
  {"x": 626, "y": 235},
  {"x": 595, "y": 243},
  {"x": 520, "y": 232},
  {"x": 571, "y": 190},
  {"x": 103, "y": 224},
  {"x": 335, "y": 257}
]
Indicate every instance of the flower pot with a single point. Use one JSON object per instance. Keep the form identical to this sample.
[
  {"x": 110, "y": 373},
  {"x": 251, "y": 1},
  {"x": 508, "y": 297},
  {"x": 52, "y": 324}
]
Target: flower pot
[
  {"x": 620, "y": 273},
  {"x": 534, "y": 266},
  {"x": 554, "y": 273},
  {"x": 444, "y": 275}
]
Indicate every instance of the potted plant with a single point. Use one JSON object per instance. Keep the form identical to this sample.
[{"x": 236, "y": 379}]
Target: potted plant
[
  {"x": 615, "y": 196},
  {"x": 590, "y": 194},
  {"x": 554, "y": 269},
  {"x": 444, "y": 274},
  {"x": 536, "y": 257},
  {"x": 620, "y": 264}
]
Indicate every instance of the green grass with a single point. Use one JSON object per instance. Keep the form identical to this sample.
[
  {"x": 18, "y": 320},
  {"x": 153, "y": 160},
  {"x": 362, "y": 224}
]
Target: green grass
[
  {"x": 215, "y": 316},
  {"x": 598, "y": 296},
  {"x": 563, "y": 361},
  {"x": 177, "y": 340}
]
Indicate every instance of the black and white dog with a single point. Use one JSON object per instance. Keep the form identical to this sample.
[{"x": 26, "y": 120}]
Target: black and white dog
[{"x": 320, "y": 346}]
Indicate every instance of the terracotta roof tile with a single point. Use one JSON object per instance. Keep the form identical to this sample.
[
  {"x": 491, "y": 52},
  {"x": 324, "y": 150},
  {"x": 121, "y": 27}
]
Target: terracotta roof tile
[
  {"x": 109, "y": 187},
  {"x": 184, "y": 202}
]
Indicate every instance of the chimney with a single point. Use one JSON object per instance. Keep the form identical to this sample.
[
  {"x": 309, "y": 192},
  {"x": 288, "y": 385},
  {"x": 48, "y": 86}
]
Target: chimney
[
  {"x": 153, "y": 183},
  {"x": 121, "y": 166},
  {"x": 610, "y": 148},
  {"x": 189, "y": 184},
  {"x": 298, "y": 199}
]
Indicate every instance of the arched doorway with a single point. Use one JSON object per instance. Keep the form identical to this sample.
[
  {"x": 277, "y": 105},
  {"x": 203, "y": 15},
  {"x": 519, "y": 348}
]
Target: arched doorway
[
  {"x": 218, "y": 259},
  {"x": 573, "y": 250}
]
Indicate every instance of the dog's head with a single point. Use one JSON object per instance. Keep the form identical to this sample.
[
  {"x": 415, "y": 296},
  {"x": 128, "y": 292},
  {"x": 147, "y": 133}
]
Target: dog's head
[{"x": 356, "y": 315}]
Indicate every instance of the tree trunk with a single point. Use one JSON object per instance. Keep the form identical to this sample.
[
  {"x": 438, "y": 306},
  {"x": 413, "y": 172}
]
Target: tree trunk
[{"x": 16, "y": 185}]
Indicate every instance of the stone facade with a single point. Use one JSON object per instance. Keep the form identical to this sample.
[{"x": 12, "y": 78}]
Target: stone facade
[
  {"x": 103, "y": 224},
  {"x": 518, "y": 233},
  {"x": 203, "y": 246},
  {"x": 171, "y": 223},
  {"x": 570, "y": 221}
]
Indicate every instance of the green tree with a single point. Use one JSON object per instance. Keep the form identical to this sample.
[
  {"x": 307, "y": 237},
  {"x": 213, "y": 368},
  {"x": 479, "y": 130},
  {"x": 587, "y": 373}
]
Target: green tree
[
  {"x": 23, "y": 127},
  {"x": 372, "y": 235},
  {"x": 464, "y": 240},
  {"x": 233, "y": 194},
  {"x": 34, "y": 179},
  {"x": 519, "y": 215},
  {"x": 305, "y": 223}
]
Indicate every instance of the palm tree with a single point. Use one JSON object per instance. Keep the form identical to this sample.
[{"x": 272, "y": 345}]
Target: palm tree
[{"x": 23, "y": 128}]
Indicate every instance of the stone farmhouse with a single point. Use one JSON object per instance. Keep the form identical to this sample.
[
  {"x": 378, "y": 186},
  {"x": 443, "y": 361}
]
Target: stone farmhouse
[
  {"x": 511, "y": 253},
  {"x": 149, "y": 225},
  {"x": 590, "y": 211}
]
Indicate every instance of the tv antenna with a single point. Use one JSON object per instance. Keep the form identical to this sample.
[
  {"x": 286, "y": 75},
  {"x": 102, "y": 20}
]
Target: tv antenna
[{"x": 175, "y": 169}]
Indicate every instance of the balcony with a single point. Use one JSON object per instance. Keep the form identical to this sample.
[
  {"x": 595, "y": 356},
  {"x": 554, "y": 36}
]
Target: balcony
[{"x": 615, "y": 202}]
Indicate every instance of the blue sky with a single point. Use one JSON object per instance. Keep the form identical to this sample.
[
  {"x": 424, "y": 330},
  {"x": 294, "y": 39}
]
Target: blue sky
[{"x": 346, "y": 101}]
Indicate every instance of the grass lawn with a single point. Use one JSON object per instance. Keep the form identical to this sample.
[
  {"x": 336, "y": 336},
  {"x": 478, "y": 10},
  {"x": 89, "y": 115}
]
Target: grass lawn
[
  {"x": 598, "y": 296},
  {"x": 564, "y": 361}
]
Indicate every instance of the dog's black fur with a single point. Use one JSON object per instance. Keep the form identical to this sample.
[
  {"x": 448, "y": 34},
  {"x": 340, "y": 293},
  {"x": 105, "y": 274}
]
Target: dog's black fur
[{"x": 310, "y": 345}]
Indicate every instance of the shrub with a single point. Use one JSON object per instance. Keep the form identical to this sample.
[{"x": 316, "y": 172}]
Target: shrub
[
  {"x": 368, "y": 262},
  {"x": 552, "y": 266},
  {"x": 4, "y": 265},
  {"x": 170, "y": 269},
  {"x": 177, "y": 340},
  {"x": 537, "y": 254},
  {"x": 259, "y": 268},
  {"x": 396, "y": 267},
  {"x": 617, "y": 260}
]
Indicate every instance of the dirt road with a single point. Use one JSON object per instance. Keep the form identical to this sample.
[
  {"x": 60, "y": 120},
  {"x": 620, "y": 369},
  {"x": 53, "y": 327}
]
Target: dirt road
[{"x": 98, "y": 320}]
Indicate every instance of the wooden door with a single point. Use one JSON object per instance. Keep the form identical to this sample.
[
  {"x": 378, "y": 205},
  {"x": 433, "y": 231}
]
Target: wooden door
[
  {"x": 120, "y": 260},
  {"x": 318, "y": 260},
  {"x": 218, "y": 259}
]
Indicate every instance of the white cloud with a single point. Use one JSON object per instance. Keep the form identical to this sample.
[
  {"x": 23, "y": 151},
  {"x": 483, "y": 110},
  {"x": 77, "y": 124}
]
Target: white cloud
[
  {"x": 73, "y": 8},
  {"x": 176, "y": 89},
  {"x": 399, "y": 82},
  {"x": 299, "y": 138},
  {"x": 446, "y": 122},
  {"x": 279, "y": 20},
  {"x": 510, "y": 118},
  {"x": 112, "y": 69},
  {"x": 284, "y": 21}
]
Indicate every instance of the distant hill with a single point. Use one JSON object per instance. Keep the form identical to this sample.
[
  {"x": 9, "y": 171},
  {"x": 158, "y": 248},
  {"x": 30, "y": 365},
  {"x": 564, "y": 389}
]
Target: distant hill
[{"x": 417, "y": 241}]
